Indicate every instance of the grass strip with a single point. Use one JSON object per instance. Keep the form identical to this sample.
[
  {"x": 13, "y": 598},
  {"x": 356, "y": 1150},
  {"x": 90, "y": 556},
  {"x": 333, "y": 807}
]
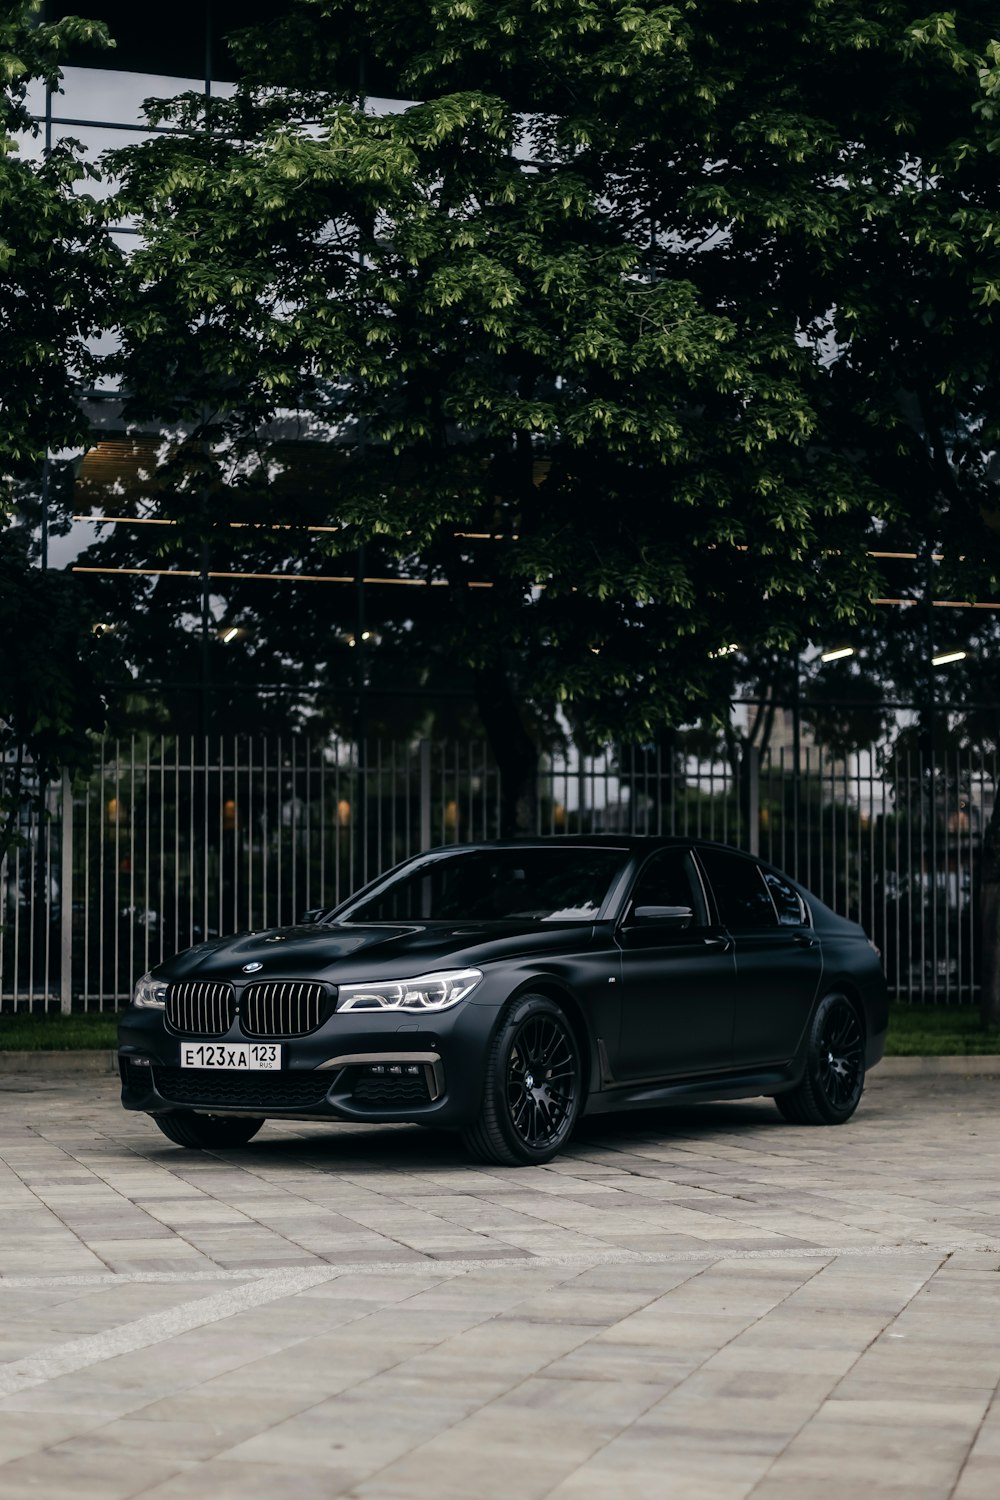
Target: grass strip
[
  {"x": 24, "y": 1031},
  {"x": 914, "y": 1031},
  {"x": 939, "y": 1031}
]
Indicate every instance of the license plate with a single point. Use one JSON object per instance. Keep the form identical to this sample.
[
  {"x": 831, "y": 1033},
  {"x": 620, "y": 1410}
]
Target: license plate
[{"x": 240, "y": 1057}]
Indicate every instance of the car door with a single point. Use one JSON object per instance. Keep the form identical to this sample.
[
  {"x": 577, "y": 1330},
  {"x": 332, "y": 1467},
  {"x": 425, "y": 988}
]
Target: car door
[
  {"x": 779, "y": 960},
  {"x": 678, "y": 981}
]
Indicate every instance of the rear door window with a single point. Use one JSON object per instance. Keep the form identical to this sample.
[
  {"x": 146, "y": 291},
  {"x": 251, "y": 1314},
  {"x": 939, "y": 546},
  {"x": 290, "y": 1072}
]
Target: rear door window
[
  {"x": 788, "y": 903},
  {"x": 740, "y": 893}
]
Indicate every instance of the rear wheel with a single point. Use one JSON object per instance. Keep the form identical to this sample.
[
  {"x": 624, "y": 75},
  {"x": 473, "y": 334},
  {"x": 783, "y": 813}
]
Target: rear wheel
[
  {"x": 533, "y": 1088},
  {"x": 201, "y": 1132},
  {"x": 834, "y": 1077}
]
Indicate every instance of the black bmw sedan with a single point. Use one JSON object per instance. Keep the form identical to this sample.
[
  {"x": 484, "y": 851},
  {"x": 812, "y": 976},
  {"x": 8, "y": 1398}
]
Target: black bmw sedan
[{"x": 504, "y": 989}]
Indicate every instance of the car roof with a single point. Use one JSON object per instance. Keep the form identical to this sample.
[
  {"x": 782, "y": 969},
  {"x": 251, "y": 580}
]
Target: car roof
[{"x": 627, "y": 842}]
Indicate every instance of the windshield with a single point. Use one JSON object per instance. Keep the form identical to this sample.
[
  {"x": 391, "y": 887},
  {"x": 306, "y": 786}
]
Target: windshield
[{"x": 566, "y": 884}]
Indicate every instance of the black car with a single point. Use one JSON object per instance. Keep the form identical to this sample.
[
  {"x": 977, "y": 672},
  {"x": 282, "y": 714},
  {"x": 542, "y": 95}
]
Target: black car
[{"x": 504, "y": 989}]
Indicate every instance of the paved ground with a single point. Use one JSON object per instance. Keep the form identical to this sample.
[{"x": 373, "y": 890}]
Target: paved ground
[{"x": 706, "y": 1304}]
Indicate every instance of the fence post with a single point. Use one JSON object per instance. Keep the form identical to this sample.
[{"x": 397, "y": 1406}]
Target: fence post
[
  {"x": 66, "y": 898},
  {"x": 425, "y": 794},
  {"x": 750, "y": 795}
]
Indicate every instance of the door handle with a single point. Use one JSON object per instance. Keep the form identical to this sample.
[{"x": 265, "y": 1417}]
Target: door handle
[
  {"x": 717, "y": 942},
  {"x": 805, "y": 942}
]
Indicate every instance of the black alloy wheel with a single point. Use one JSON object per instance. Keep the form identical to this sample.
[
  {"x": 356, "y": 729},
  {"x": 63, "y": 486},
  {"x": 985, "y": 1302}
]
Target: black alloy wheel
[
  {"x": 834, "y": 1077},
  {"x": 533, "y": 1089},
  {"x": 203, "y": 1132}
]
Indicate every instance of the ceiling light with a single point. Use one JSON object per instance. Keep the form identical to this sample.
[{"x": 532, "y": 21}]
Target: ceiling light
[{"x": 949, "y": 656}]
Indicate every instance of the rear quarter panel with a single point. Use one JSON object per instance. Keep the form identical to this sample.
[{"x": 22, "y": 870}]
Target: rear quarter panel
[{"x": 851, "y": 966}]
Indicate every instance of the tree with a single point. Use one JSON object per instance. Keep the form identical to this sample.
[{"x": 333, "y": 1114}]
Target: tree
[
  {"x": 54, "y": 678},
  {"x": 57, "y": 274},
  {"x": 57, "y": 259},
  {"x": 684, "y": 310},
  {"x": 503, "y": 346}
]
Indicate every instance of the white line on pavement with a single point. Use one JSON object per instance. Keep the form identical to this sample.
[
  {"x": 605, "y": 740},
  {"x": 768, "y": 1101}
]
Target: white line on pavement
[
  {"x": 327, "y": 1271},
  {"x": 79, "y": 1354},
  {"x": 116, "y": 1278}
]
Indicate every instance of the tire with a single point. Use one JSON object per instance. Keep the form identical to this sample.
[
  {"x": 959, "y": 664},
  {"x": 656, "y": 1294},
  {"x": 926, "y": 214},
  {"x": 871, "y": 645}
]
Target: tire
[
  {"x": 830, "y": 1089},
  {"x": 203, "y": 1132},
  {"x": 533, "y": 1087}
]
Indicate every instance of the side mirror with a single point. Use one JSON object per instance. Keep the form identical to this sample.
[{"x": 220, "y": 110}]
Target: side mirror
[
  {"x": 315, "y": 914},
  {"x": 673, "y": 918}
]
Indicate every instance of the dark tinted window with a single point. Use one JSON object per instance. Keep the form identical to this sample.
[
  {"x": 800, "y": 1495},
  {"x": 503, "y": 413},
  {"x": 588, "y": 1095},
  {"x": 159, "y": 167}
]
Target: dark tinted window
[
  {"x": 791, "y": 911},
  {"x": 668, "y": 878},
  {"x": 740, "y": 892},
  {"x": 474, "y": 885}
]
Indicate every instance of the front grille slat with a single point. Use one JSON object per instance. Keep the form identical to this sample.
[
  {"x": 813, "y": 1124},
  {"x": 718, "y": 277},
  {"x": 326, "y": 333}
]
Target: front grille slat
[
  {"x": 285, "y": 1007},
  {"x": 200, "y": 1007}
]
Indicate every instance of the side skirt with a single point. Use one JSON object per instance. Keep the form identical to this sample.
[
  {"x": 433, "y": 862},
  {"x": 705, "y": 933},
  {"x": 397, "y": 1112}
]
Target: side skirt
[{"x": 768, "y": 1081}]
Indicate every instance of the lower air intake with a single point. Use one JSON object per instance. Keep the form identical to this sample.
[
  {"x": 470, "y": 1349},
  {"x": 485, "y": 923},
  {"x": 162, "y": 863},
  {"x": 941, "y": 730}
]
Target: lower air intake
[{"x": 212, "y": 1088}]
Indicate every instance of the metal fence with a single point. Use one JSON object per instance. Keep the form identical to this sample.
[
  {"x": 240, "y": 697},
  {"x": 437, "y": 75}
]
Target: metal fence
[{"x": 172, "y": 841}]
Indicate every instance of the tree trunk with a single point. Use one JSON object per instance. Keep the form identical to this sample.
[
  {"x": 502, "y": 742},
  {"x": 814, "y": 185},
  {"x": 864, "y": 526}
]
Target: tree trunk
[
  {"x": 11, "y": 802},
  {"x": 515, "y": 751},
  {"x": 990, "y": 916}
]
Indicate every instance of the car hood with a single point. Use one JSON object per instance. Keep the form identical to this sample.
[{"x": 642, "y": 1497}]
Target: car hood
[{"x": 341, "y": 953}]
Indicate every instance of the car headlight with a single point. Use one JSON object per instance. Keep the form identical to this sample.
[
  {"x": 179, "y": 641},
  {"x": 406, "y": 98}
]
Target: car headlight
[
  {"x": 426, "y": 992},
  {"x": 150, "y": 992}
]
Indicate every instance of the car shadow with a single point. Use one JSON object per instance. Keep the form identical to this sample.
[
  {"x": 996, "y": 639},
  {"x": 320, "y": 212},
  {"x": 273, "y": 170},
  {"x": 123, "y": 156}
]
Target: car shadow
[
  {"x": 671, "y": 1121},
  {"x": 413, "y": 1148}
]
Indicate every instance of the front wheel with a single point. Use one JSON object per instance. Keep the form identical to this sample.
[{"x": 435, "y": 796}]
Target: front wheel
[
  {"x": 831, "y": 1086},
  {"x": 533, "y": 1087},
  {"x": 203, "y": 1132}
]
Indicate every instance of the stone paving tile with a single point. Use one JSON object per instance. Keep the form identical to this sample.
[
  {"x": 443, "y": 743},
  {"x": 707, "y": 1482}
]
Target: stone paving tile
[
  {"x": 531, "y": 1438},
  {"x": 192, "y": 1440},
  {"x": 22, "y": 1432},
  {"x": 980, "y": 1479},
  {"x": 105, "y": 1476},
  {"x": 224, "y": 1480},
  {"x": 707, "y": 1304}
]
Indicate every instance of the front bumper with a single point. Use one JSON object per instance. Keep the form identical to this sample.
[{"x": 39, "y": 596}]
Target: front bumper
[{"x": 361, "y": 1067}]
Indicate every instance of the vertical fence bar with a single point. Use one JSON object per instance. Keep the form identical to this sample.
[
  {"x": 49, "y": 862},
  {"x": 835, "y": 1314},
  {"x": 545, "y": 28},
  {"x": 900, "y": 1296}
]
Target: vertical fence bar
[
  {"x": 47, "y": 901},
  {"x": 85, "y": 891},
  {"x": 131, "y": 976},
  {"x": 751, "y": 766},
  {"x": 146, "y": 892},
  {"x": 220, "y": 857},
  {"x": 190, "y": 860},
  {"x": 251, "y": 827},
  {"x": 66, "y": 899},
  {"x": 17, "y": 928},
  {"x": 4, "y": 901},
  {"x": 265, "y": 834},
  {"x": 206, "y": 848},
  {"x": 961, "y": 817},
  {"x": 425, "y": 793},
  {"x": 321, "y": 775},
  {"x": 279, "y": 830},
  {"x": 101, "y": 858},
  {"x": 31, "y": 902}
]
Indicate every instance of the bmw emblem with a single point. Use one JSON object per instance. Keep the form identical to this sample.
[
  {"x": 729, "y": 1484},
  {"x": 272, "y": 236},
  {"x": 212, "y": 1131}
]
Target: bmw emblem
[{"x": 251, "y": 968}]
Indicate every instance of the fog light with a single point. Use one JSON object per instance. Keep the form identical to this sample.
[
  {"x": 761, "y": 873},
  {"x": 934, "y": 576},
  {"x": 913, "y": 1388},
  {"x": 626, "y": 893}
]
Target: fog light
[
  {"x": 376, "y": 1068},
  {"x": 141, "y": 1062}
]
